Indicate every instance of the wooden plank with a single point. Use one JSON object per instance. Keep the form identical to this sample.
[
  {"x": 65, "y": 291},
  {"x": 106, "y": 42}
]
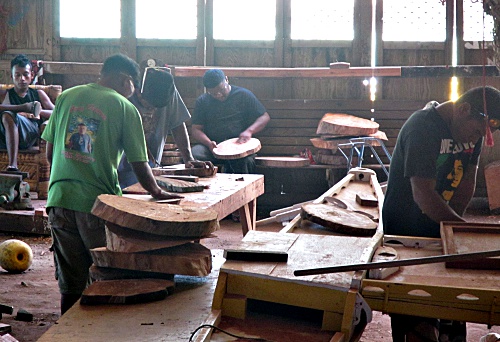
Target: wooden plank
[
  {"x": 463, "y": 238},
  {"x": 156, "y": 218},
  {"x": 179, "y": 71},
  {"x": 190, "y": 259},
  {"x": 282, "y": 161}
]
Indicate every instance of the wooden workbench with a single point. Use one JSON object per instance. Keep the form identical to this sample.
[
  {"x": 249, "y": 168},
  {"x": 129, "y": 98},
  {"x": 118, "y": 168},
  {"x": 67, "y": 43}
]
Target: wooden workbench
[
  {"x": 226, "y": 193},
  {"x": 433, "y": 290}
]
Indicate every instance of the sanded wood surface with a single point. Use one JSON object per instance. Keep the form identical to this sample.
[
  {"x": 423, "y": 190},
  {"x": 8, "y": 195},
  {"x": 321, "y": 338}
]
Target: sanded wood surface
[
  {"x": 345, "y": 124},
  {"x": 282, "y": 161},
  {"x": 126, "y": 291},
  {"x": 226, "y": 193},
  {"x": 339, "y": 220},
  {"x": 156, "y": 218},
  {"x": 304, "y": 250},
  {"x": 231, "y": 149},
  {"x": 189, "y": 259},
  {"x": 465, "y": 237},
  {"x": 171, "y": 319},
  {"x": 120, "y": 239}
]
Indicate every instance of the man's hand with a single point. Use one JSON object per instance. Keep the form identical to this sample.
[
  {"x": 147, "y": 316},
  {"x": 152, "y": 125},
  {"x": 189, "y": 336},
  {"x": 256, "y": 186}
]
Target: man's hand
[
  {"x": 212, "y": 145},
  {"x": 163, "y": 195},
  {"x": 244, "y": 137}
]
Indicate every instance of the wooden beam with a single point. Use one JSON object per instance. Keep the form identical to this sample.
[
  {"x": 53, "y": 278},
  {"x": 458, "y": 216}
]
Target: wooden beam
[{"x": 291, "y": 72}]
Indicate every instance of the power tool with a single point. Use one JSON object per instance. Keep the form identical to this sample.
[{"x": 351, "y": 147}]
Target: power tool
[{"x": 14, "y": 192}]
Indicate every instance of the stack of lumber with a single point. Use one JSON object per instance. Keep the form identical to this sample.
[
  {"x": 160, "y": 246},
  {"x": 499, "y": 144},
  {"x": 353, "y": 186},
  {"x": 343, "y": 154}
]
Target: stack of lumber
[
  {"x": 171, "y": 155},
  {"x": 170, "y": 183},
  {"x": 147, "y": 243},
  {"x": 336, "y": 129}
]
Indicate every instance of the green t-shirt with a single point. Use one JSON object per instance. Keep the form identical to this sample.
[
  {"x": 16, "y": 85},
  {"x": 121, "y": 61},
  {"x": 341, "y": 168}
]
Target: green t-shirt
[{"x": 90, "y": 128}]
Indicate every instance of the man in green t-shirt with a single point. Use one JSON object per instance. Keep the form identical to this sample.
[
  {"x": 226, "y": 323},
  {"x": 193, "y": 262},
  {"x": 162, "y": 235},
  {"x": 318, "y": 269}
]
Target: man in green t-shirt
[{"x": 113, "y": 126}]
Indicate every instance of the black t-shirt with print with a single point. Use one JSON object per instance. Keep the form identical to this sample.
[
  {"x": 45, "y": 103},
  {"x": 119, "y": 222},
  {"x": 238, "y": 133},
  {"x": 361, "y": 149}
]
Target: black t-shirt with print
[{"x": 424, "y": 148}]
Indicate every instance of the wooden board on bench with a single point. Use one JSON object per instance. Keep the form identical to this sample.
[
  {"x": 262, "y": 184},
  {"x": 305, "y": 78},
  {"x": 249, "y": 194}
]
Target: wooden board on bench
[{"x": 467, "y": 237}]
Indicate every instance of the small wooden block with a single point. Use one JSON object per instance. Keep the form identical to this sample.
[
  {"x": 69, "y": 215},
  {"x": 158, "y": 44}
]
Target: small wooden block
[
  {"x": 366, "y": 200},
  {"x": 234, "y": 306},
  {"x": 5, "y": 328},
  {"x": 23, "y": 315},
  {"x": 126, "y": 291},
  {"x": 6, "y": 309}
]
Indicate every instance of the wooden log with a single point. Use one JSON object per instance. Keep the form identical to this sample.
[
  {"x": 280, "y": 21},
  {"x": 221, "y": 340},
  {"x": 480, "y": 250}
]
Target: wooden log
[
  {"x": 345, "y": 124},
  {"x": 126, "y": 291},
  {"x": 282, "y": 161},
  {"x": 190, "y": 259},
  {"x": 230, "y": 149},
  {"x": 120, "y": 239},
  {"x": 339, "y": 220},
  {"x": 156, "y": 218},
  {"x": 492, "y": 175}
]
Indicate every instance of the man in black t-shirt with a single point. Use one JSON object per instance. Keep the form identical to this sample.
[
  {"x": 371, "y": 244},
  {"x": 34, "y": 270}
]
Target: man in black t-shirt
[
  {"x": 222, "y": 113},
  {"x": 433, "y": 177}
]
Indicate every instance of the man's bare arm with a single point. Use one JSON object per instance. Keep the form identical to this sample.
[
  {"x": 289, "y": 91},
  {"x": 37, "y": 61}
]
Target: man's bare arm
[{"x": 429, "y": 201}]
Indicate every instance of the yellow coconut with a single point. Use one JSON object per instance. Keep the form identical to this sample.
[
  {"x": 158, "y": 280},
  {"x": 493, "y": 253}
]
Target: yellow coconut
[{"x": 15, "y": 256}]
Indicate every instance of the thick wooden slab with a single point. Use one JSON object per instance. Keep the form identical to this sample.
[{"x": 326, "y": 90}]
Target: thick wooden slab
[
  {"x": 282, "y": 161},
  {"x": 190, "y": 259},
  {"x": 119, "y": 239},
  {"x": 156, "y": 218},
  {"x": 126, "y": 291},
  {"x": 110, "y": 273},
  {"x": 345, "y": 124},
  {"x": 339, "y": 220},
  {"x": 181, "y": 170},
  {"x": 468, "y": 237},
  {"x": 177, "y": 185},
  {"x": 230, "y": 149}
]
